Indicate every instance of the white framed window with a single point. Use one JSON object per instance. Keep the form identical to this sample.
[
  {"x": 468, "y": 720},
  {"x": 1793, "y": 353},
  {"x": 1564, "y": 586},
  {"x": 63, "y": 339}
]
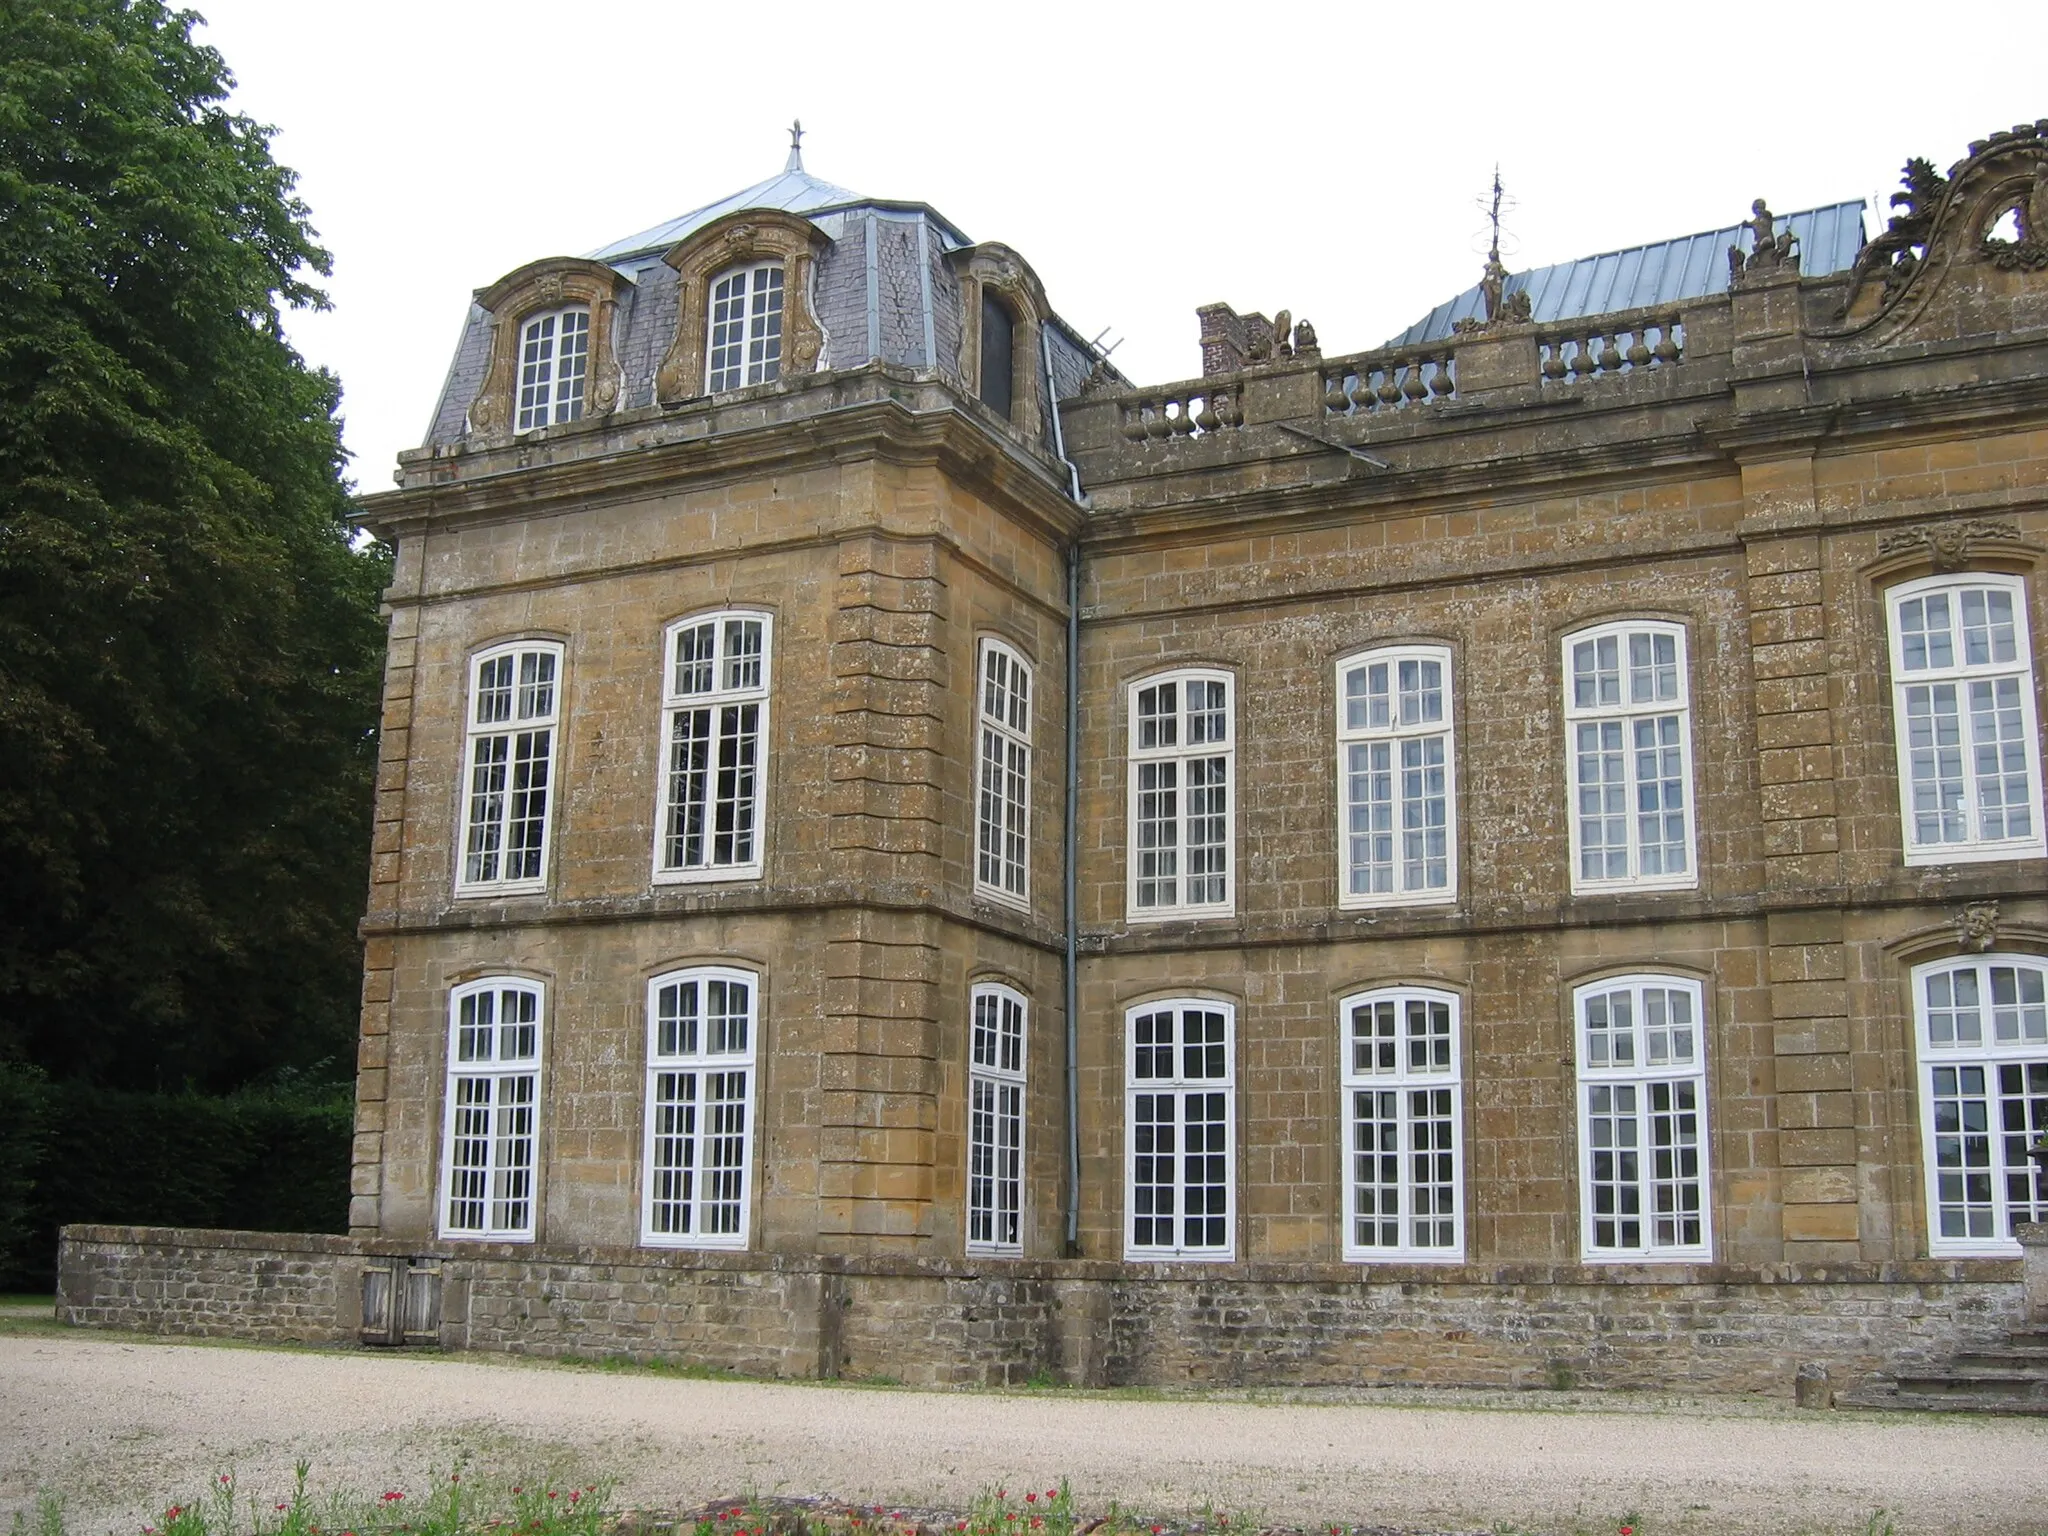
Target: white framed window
[
  {"x": 745, "y": 328},
  {"x": 1397, "y": 775},
  {"x": 1180, "y": 1130},
  {"x": 1643, "y": 1176},
  {"x": 1981, "y": 1030},
  {"x": 714, "y": 726},
  {"x": 1002, "y": 839},
  {"x": 1182, "y": 747},
  {"x": 491, "y": 1130},
  {"x": 995, "y": 1119},
  {"x": 1963, "y": 713},
  {"x": 515, "y": 701},
  {"x": 554, "y": 361},
  {"x": 1404, "y": 1117},
  {"x": 1626, "y": 706},
  {"x": 703, "y": 1026}
]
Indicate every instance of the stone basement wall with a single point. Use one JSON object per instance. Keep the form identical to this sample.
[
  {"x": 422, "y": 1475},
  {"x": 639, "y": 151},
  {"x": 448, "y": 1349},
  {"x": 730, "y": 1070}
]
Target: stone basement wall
[{"x": 1693, "y": 1328}]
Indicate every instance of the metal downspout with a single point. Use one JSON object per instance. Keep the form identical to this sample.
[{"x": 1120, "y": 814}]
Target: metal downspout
[{"x": 1069, "y": 832}]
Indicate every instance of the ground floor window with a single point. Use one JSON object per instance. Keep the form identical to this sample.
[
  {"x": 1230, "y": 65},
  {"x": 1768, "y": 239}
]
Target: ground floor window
[
  {"x": 1179, "y": 1129},
  {"x": 702, "y": 1025},
  {"x": 1981, "y": 1030},
  {"x": 995, "y": 1121},
  {"x": 1642, "y": 1119},
  {"x": 1402, "y": 1113},
  {"x": 491, "y": 1122}
]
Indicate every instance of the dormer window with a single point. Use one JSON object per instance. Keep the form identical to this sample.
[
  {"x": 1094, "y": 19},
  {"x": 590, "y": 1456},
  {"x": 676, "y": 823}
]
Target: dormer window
[
  {"x": 745, "y": 327},
  {"x": 554, "y": 361},
  {"x": 998, "y": 346}
]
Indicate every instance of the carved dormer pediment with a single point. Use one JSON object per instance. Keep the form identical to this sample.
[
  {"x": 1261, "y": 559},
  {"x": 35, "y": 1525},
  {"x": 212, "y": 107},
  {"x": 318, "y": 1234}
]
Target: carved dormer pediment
[{"x": 549, "y": 283}]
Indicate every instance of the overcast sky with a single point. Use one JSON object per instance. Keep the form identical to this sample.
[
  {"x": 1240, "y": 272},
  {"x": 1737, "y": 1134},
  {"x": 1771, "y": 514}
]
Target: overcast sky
[{"x": 1329, "y": 159}]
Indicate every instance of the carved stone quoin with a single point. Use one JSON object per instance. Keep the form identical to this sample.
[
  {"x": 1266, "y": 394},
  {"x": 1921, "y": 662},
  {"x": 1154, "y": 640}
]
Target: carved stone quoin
[
  {"x": 754, "y": 235},
  {"x": 1948, "y": 545},
  {"x": 550, "y": 283},
  {"x": 1977, "y": 927}
]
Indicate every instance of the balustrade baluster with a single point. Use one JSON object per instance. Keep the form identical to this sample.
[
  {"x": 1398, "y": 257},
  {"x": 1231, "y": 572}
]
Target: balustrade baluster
[
  {"x": 1412, "y": 387},
  {"x": 1610, "y": 355},
  {"x": 1582, "y": 359},
  {"x": 1553, "y": 360},
  {"x": 1639, "y": 349},
  {"x": 1667, "y": 348},
  {"x": 1441, "y": 382}
]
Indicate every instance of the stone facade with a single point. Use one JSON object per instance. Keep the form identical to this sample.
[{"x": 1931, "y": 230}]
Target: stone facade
[{"x": 1752, "y": 465}]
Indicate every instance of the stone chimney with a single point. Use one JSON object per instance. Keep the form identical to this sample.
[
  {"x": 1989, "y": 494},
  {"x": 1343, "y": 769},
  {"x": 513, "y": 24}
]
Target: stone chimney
[{"x": 1224, "y": 337}]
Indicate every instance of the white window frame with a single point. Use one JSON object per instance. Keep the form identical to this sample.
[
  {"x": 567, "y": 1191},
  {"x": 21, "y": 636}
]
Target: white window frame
[
  {"x": 998, "y": 1101},
  {"x": 545, "y": 397},
  {"x": 493, "y": 1067},
  {"x": 733, "y": 689},
  {"x": 690, "y": 1050},
  {"x": 1407, "y": 790},
  {"x": 1409, "y": 1138},
  {"x": 1177, "y": 761},
  {"x": 1002, "y": 773},
  {"x": 1216, "y": 1079},
  {"x": 2016, "y": 718},
  {"x": 755, "y": 347},
  {"x": 512, "y": 737},
  {"x": 1995, "y": 1037},
  {"x": 1637, "y": 1078},
  {"x": 1629, "y": 715}
]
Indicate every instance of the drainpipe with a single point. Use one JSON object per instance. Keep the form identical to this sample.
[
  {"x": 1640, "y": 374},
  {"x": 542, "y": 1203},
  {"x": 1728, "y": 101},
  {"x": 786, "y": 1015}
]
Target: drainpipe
[{"x": 1069, "y": 834}]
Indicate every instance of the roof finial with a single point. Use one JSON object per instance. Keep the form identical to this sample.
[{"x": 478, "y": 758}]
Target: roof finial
[
  {"x": 796, "y": 146},
  {"x": 1493, "y": 255}
]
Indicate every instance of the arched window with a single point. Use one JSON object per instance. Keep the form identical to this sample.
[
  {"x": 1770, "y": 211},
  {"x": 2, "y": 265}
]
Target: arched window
[
  {"x": 491, "y": 1128},
  {"x": 995, "y": 1119},
  {"x": 554, "y": 364},
  {"x": 745, "y": 327},
  {"x": 1627, "y": 708},
  {"x": 1180, "y": 1110},
  {"x": 1643, "y": 1177},
  {"x": 1397, "y": 776},
  {"x": 1981, "y": 1030},
  {"x": 1404, "y": 1159},
  {"x": 703, "y": 1027}
]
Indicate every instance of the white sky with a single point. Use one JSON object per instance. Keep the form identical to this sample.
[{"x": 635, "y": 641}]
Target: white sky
[{"x": 1324, "y": 158}]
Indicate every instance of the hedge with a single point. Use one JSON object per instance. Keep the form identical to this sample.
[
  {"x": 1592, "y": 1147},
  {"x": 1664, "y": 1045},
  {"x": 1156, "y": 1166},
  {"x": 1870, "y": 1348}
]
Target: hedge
[{"x": 255, "y": 1161}]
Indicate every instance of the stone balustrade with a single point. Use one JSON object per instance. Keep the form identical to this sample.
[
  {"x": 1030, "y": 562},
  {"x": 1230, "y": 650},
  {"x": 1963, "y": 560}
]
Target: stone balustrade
[
  {"x": 1181, "y": 410},
  {"x": 1389, "y": 379},
  {"x": 1628, "y": 342}
]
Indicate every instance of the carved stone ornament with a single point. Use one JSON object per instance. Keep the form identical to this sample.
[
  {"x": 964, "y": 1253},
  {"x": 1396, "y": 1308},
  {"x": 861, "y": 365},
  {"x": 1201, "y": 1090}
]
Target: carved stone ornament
[
  {"x": 1772, "y": 253},
  {"x": 1947, "y": 545},
  {"x": 755, "y": 235},
  {"x": 1940, "y": 223},
  {"x": 1977, "y": 926},
  {"x": 1001, "y": 271},
  {"x": 547, "y": 284}
]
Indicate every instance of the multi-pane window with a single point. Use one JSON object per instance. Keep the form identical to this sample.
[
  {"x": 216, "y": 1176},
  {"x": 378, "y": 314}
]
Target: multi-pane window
[
  {"x": 1642, "y": 1119},
  {"x": 1182, "y": 744},
  {"x": 702, "y": 1026},
  {"x": 1402, "y": 1115},
  {"x": 1982, "y": 1032},
  {"x": 746, "y": 328},
  {"x": 514, "y": 709},
  {"x": 995, "y": 1121},
  {"x": 492, "y": 1113},
  {"x": 554, "y": 360},
  {"x": 1963, "y": 711},
  {"x": 1395, "y": 772},
  {"x": 1002, "y": 843},
  {"x": 1630, "y": 755},
  {"x": 714, "y": 723},
  {"x": 1178, "y": 1130}
]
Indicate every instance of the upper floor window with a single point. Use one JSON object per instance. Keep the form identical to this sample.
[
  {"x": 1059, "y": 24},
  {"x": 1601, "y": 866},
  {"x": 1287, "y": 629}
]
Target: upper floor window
[
  {"x": 554, "y": 363},
  {"x": 702, "y": 1026},
  {"x": 714, "y": 721},
  {"x": 1002, "y": 844},
  {"x": 1396, "y": 772},
  {"x": 998, "y": 347},
  {"x": 1642, "y": 1119},
  {"x": 491, "y": 1122},
  {"x": 1402, "y": 1113},
  {"x": 1182, "y": 744},
  {"x": 514, "y": 707},
  {"x": 995, "y": 1121},
  {"x": 1179, "y": 1114},
  {"x": 1981, "y": 1027},
  {"x": 1963, "y": 713},
  {"x": 745, "y": 328},
  {"x": 1626, "y": 706}
]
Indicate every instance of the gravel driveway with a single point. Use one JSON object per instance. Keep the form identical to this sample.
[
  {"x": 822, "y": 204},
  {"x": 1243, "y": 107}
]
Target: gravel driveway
[{"x": 118, "y": 1423}]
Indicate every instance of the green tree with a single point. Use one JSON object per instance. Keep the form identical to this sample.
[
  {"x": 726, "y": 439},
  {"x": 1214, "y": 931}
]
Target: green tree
[{"x": 189, "y": 644}]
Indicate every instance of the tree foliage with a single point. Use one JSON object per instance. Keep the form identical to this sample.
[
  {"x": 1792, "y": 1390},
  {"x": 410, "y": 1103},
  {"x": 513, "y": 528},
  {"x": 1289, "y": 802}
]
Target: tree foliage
[{"x": 189, "y": 645}]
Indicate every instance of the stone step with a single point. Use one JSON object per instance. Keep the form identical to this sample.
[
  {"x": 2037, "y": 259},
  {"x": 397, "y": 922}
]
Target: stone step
[
  {"x": 2006, "y": 1386},
  {"x": 1946, "y": 1402},
  {"x": 2012, "y": 1359}
]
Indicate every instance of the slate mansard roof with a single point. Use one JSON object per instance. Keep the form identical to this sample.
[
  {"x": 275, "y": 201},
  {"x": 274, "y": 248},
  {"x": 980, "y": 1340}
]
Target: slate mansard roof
[{"x": 883, "y": 291}]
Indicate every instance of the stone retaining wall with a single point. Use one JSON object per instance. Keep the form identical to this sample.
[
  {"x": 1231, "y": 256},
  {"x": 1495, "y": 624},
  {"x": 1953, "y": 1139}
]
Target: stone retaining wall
[{"x": 1696, "y": 1328}]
